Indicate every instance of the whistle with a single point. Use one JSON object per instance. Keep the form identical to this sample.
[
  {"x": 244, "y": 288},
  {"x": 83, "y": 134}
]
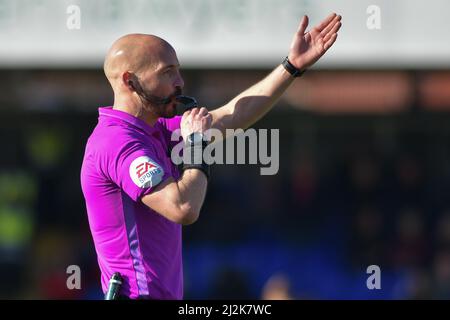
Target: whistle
[{"x": 185, "y": 103}]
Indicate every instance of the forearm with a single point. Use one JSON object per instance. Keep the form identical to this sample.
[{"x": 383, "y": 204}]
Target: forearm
[
  {"x": 192, "y": 190},
  {"x": 252, "y": 104},
  {"x": 179, "y": 201}
]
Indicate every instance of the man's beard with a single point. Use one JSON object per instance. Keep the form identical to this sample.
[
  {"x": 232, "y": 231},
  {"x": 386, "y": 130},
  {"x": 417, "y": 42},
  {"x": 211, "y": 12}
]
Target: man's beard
[{"x": 162, "y": 107}]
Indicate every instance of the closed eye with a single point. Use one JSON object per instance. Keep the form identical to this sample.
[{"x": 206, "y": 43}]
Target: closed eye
[{"x": 169, "y": 69}]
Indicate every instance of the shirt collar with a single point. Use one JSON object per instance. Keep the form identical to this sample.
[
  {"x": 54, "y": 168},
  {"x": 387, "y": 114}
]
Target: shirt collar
[{"x": 130, "y": 119}]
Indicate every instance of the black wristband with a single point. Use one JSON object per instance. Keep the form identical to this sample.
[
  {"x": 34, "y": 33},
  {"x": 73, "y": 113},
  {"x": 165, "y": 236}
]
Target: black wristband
[
  {"x": 193, "y": 157},
  {"x": 202, "y": 167},
  {"x": 291, "y": 69}
]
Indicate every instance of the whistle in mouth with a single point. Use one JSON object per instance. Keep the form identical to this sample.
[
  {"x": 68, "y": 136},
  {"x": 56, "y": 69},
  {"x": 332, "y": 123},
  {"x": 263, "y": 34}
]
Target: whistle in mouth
[{"x": 185, "y": 103}]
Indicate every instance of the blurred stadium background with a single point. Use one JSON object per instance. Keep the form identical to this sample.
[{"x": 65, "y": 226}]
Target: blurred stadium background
[{"x": 364, "y": 147}]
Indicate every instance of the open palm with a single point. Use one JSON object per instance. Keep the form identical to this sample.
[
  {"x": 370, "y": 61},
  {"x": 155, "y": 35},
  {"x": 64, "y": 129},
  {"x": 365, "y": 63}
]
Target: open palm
[{"x": 307, "y": 47}]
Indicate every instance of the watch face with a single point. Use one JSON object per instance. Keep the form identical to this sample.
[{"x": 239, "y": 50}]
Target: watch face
[{"x": 195, "y": 138}]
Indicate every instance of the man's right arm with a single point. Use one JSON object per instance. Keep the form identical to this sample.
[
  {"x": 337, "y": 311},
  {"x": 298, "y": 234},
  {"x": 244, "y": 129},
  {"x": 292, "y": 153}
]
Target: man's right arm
[{"x": 179, "y": 201}]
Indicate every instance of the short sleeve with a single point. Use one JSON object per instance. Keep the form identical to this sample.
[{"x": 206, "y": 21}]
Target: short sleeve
[
  {"x": 171, "y": 128},
  {"x": 138, "y": 170}
]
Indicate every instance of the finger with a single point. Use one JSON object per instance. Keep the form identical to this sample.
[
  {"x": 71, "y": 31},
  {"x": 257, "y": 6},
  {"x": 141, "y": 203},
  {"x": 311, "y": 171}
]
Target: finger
[
  {"x": 208, "y": 117},
  {"x": 186, "y": 114},
  {"x": 194, "y": 111},
  {"x": 330, "y": 26},
  {"x": 330, "y": 42},
  {"x": 325, "y": 22},
  {"x": 203, "y": 111},
  {"x": 206, "y": 121},
  {"x": 332, "y": 31},
  {"x": 303, "y": 24}
]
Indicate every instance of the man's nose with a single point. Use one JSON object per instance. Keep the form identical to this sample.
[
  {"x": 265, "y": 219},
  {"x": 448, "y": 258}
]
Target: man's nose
[{"x": 179, "y": 82}]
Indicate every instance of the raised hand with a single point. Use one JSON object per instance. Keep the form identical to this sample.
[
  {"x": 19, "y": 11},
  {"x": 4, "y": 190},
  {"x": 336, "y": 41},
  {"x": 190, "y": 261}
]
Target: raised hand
[{"x": 307, "y": 47}]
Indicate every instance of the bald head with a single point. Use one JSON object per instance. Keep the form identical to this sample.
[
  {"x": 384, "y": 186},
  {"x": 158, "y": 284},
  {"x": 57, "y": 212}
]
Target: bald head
[
  {"x": 143, "y": 71},
  {"x": 135, "y": 53}
]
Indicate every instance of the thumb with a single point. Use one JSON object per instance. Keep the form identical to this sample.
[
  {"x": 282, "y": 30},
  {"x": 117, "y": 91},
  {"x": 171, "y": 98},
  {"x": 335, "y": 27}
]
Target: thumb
[{"x": 303, "y": 24}]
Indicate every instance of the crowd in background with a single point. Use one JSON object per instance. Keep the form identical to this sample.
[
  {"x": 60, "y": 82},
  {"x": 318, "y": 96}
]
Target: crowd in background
[{"x": 345, "y": 197}]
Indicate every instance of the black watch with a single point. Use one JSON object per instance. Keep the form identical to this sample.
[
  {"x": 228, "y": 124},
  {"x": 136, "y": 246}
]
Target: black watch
[
  {"x": 195, "y": 138},
  {"x": 291, "y": 69},
  {"x": 193, "y": 141}
]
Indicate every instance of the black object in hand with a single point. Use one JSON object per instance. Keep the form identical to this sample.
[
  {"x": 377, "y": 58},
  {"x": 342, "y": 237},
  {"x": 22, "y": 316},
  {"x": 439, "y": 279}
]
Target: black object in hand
[{"x": 114, "y": 286}]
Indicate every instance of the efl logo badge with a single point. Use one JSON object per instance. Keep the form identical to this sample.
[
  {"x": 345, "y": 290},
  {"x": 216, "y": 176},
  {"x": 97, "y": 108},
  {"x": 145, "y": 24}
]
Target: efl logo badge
[{"x": 145, "y": 172}]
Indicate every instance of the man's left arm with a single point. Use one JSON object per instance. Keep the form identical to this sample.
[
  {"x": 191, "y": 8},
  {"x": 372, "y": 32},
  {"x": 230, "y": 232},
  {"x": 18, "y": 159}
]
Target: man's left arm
[{"x": 252, "y": 104}]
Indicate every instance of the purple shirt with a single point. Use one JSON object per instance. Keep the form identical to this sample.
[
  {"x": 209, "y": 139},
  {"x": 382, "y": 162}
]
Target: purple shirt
[{"x": 125, "y": 159}]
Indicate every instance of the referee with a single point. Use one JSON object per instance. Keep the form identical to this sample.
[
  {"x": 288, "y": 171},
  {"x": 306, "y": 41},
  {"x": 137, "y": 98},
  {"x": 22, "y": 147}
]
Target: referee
[{"x": 137, "y": 199}]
